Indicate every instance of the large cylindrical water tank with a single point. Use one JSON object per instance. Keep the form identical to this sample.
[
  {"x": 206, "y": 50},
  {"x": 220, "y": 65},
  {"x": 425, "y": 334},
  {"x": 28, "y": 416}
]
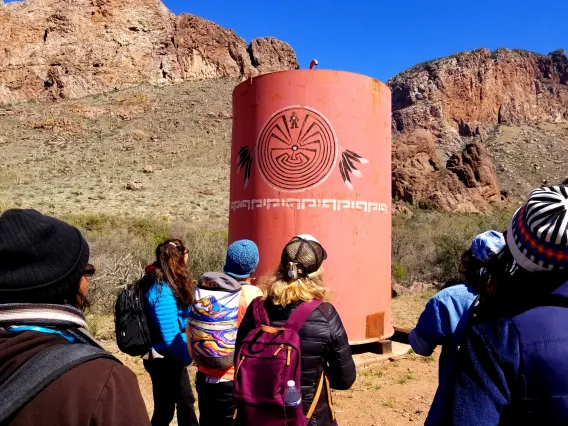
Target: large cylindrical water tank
[{"x": 311, "y": 154}]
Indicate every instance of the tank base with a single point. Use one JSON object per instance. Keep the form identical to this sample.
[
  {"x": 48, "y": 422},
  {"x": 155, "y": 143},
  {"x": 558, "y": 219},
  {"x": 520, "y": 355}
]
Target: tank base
[
  {"x": 382, "y": 347},
  {"x": 368, "y": 359}
]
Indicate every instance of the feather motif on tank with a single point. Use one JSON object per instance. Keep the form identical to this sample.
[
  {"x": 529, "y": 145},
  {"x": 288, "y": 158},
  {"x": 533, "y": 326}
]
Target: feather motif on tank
[
  {"x": 244, "y": 161},
  {"x": 347, "y": 166}
]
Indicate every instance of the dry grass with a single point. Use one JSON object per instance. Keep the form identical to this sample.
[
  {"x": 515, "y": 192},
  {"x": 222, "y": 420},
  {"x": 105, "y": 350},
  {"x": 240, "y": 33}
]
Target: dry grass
[
  {"x": 76, "y": 157},
  {"x": 407, "y": 308}
]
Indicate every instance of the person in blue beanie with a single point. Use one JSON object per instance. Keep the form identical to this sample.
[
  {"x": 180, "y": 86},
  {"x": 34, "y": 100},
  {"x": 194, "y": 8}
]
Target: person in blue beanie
[
  {"x": 240, "y": 263},
  {"x": 232, "y": 290},
  {"x": 513, "y": 363},
  {"x": 446, "y": 315},
  {"x": 168, "y": 289}
]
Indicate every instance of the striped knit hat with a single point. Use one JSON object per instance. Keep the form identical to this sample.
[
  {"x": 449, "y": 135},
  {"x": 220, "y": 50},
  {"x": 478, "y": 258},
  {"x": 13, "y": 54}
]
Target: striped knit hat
[{"x": 538, "y": 233}]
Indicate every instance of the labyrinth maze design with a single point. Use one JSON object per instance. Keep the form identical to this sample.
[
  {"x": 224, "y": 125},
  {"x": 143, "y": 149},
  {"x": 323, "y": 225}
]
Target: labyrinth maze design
[{"x": 296, "y": 150}]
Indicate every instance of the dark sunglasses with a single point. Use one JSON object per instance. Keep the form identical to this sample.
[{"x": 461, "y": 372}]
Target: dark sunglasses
[{"x": 89, "y": 270}]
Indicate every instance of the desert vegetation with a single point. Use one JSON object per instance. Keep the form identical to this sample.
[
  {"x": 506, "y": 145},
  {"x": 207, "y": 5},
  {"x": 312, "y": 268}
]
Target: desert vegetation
[{"x": 426, "y": 246}]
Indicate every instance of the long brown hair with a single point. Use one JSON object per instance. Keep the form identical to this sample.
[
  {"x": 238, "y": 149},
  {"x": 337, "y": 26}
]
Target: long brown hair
[{"x": 171, "y": 268}]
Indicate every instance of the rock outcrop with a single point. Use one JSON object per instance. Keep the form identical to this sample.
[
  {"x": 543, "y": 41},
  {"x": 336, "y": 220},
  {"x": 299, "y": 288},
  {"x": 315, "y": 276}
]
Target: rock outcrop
[
  {"x": 270, "y": 54},
  {"x": 466, "y": 182},
  {"x": 460, "y": 94},
  {"x": 206, "y": 50},
  {"x": 444, "y": 110},
  {"x": 60, "y": 49}
]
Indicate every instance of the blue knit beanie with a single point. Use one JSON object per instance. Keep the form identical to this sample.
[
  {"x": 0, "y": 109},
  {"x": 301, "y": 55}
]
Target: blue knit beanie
[{"x": 242, "y": 259}]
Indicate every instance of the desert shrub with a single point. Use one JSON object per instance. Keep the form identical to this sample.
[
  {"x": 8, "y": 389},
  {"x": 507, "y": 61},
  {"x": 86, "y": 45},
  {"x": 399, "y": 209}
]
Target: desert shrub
[
  {"x": 207, "y": 250},
  {"x": 429, "y": 244},
  {"x": 425, "y": 247},
  {"x": 399, "y": 272},
  {"x": 122, "y": 246}
]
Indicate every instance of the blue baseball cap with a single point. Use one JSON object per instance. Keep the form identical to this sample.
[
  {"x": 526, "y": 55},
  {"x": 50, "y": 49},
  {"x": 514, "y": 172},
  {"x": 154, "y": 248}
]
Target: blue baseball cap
[{"x": 486, "y": 245}]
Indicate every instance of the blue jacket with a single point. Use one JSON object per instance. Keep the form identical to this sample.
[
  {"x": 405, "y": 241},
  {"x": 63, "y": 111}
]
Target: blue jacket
[
  {"x": 443, "y": 323},
  {"x": 514, "y": 371},
  {"x": 167, "y": 322}
]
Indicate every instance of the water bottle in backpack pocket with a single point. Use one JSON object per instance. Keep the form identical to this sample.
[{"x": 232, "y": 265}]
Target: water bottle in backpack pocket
[
  {"x": 293, "y": 395},
  {"x": 267, "y": 376}
]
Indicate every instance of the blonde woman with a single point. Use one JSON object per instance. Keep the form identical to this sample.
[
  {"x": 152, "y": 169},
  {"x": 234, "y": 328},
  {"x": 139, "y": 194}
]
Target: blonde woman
[{"x": 324, "y": 344}]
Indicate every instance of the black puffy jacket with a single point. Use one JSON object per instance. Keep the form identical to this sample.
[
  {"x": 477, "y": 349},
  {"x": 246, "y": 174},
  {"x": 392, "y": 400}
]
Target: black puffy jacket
[{"x": 324, "y": 346}]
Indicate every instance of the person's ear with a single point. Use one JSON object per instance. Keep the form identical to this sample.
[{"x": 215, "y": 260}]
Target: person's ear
[{"x": 83, "y": 284}]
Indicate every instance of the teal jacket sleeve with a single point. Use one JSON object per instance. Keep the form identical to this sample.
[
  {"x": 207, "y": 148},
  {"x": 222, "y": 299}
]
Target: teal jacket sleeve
[
  {"x": 164, "y": 306},
  {"x": 443, "y": 319},
  {"x": 429, "y": 331}
]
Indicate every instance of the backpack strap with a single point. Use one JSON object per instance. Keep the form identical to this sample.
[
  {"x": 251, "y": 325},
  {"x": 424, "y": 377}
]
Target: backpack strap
[
  {"x": 259, "y": 313},
  {"x": 301, "y": 314},
  {"x": 329, "y": 399},
  {"x": 41, "y": 370},
  {"x": 316, "y": 397},
  {"x": 323, "y": 380}
]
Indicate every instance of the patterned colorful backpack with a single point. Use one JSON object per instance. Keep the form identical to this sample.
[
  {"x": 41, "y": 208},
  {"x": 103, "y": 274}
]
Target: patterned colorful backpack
[{"x": 213, "y": 321}]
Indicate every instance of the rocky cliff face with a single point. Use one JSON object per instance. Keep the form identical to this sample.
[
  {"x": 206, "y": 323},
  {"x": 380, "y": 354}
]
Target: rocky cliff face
[
  {"x": 466, "y": 182},
  {"x": 456, "y": 103},
  {"x": 69, "y": 49}
]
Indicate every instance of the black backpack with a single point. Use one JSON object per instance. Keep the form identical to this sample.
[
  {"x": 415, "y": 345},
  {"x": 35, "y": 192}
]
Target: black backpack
[{"x": 131, "y": 324}]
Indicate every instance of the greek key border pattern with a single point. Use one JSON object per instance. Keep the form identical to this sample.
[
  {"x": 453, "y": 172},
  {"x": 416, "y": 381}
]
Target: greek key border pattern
[{"x": 309, "y": 203}]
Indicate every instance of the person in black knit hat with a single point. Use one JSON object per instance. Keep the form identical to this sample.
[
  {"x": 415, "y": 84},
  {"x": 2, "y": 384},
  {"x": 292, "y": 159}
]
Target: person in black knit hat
[{"x": 43, "y": 270}]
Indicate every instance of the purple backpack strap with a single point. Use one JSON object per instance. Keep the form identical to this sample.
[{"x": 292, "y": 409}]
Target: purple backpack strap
[
  {"x": 301, "y": 314},
  {"x": 259, "y": 312}
]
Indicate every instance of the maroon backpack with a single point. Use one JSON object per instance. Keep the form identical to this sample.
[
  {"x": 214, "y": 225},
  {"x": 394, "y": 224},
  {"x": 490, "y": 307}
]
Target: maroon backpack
[{"x": 267, "y": 359}]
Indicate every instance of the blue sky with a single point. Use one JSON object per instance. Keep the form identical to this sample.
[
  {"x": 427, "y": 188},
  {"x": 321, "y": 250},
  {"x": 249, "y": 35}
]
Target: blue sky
[{"x": 381, "y": 38}]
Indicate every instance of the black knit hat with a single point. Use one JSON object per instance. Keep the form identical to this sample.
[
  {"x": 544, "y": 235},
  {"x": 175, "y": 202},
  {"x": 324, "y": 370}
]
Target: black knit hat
[
  {"x": 303, "y": 255},
  {"x": 37, "y": 253}
]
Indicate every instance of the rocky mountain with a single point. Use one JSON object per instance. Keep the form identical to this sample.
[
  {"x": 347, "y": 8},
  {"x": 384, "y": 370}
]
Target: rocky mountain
[
  {"x": 448, "y": 115},
  {"x": 53, "y": 49}
]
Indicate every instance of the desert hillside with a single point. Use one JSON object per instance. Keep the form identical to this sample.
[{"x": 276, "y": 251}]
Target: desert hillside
[
  {"x": 164, "y": 151},
  {"x": 54, "y": 49},
  {"x": 148, "y": 151}
]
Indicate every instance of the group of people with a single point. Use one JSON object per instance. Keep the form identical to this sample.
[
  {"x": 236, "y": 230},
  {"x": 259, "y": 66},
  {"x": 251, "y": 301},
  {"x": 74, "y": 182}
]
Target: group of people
[
  {"x": 503, "y": 328},
  {"x": 43, "y": 281},
  {"x": 206, "y": 324}
]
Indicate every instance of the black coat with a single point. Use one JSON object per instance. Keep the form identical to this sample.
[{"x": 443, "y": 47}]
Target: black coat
[{"x": 324, "y": 346}]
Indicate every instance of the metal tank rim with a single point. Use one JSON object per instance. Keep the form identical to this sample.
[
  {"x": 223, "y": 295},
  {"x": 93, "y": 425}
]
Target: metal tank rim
[{"x": 249, "y": 80}]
